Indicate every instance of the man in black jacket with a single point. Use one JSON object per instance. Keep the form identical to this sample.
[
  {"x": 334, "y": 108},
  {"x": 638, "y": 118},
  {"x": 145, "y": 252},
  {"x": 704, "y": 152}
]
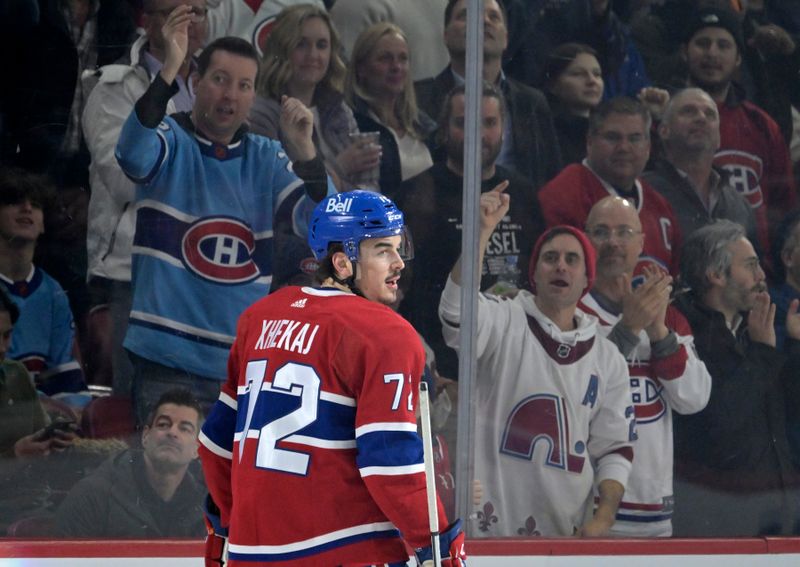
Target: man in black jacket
[
  {"x": 734, "y": 475},
  {"x": 433, "y": 213},
  {"x": 529, "y": 140},
  {"x": 144, "y": 494}
]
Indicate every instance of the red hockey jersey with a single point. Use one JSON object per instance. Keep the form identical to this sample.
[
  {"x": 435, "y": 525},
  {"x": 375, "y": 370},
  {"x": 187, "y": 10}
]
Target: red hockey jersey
[
  {"x": 312, "y": 451},
  {"x": 753, "y": 150},
  {"x": 570, "y": 195}
]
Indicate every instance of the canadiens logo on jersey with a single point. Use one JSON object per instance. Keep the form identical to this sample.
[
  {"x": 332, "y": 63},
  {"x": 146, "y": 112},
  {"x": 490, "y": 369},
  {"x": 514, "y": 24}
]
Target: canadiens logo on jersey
[
  {"x": 261, "y": 33},
  {"x": 746, "y": 171},
  {"x": 647, "y": 395},
  {"x": 220, "y": 249}
]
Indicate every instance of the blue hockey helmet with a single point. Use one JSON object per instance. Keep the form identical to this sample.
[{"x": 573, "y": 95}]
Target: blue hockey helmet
[{"x": 349, "y": 218}]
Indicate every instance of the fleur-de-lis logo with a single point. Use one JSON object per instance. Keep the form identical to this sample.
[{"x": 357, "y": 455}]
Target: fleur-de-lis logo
[
  {"x": 486, "y": 517},
  {"x": 529, "y": 529}
]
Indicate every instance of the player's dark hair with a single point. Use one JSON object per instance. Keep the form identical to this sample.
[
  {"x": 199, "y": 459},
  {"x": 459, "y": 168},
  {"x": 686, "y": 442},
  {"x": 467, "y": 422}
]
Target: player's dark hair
[
  {"x": 451, "y": 4},
  {"x": 7, "y": 305},
  {"x": 235, "y": 45},
  {"x": 325, "y": 268},
  {"x": 18, "y": 185},
  {"x": 619, "y": 105},
  {"x": 178, "y": 397},
  {"x": 446, "y": 111}
]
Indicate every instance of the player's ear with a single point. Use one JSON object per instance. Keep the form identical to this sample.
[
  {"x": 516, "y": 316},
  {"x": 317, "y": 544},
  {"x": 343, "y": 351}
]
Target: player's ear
[{"x": 342, "y": 265}]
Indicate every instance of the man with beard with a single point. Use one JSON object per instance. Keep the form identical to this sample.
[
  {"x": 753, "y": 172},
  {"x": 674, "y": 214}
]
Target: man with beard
[
  {"x": 665, "y": 373},
  {"x": 734, "y": 474},
  {"x": 554, "y": 416},
  {"x": 434, "y": 217},
  {"x": 752, "y": 148},
  {"x": 529, "y": 139},
  {"x": 144, "y": 494},
  {"x": 617, "y": 150},
  {"x": 686, "y": 176}
]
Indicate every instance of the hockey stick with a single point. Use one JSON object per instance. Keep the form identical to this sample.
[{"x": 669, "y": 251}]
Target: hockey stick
[{"x": 430, "y": 475}]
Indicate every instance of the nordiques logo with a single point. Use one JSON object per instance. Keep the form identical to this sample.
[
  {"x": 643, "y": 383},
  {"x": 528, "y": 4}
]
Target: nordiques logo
[{"x": 220, "y": 249}]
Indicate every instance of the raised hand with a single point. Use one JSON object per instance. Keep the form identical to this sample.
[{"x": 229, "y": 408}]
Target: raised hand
[
  {"x": 297, "y": 127},
  {"x": 176, "y": 40},
  {"x": 494, "y": 206},
  {"x": 645, "y": 307},
  {"x": 761, "y": 320},
  {"x": 654, "y": 99}
]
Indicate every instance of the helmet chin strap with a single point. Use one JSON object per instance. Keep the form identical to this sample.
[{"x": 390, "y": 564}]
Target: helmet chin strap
[{"x": 350, "y": 281}]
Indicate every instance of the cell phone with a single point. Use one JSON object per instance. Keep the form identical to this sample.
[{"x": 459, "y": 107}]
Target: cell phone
[{"x": 58, "y": 425}]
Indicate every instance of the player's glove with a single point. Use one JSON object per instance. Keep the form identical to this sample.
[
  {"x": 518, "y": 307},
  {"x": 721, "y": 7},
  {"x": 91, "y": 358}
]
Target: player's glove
[
  {"x": 216, "y": 552},
  {"x": 451, "y": 544}
]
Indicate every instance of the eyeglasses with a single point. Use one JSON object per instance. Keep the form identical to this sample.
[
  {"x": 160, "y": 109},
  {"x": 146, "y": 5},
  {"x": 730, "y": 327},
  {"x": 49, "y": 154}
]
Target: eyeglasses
[
  {"x": 615, "y": 138},
  {"x": 196, "y": 15},
  {"x": 603, "y": 233}
]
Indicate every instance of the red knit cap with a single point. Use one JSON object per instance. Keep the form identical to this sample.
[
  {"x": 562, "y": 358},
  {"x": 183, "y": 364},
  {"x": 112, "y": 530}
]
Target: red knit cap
[{"x": 588, "y": 253}]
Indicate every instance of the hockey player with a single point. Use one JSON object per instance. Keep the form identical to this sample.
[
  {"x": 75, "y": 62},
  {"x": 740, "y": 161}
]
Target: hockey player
[
  {"x": 311, "y": 451},
  {"x": 656, "y": 340},
  {"x": 553, "y": 406}
]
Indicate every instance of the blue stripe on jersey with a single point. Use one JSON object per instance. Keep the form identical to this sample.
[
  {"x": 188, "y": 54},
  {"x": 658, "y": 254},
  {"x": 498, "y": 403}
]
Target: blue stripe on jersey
[
  {"x": 157, "y": 230},
  {"x": 335, "y": 422},
  {"x": 178, "y": 333},
  {"x": 160, "y": 231},
  {"x": 643, "y": 519},
  {"x": 233, "y": 552},
  {"x": 389, "y": 449},
  {"x": 220, "y": 424}
]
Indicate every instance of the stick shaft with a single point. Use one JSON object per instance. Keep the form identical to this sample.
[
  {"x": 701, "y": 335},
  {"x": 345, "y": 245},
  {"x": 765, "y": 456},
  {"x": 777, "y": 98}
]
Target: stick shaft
[{"x": 430, "y": 474}]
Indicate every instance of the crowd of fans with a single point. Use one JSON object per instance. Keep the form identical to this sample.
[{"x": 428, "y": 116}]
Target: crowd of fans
[{"x": 158, "y": 161}]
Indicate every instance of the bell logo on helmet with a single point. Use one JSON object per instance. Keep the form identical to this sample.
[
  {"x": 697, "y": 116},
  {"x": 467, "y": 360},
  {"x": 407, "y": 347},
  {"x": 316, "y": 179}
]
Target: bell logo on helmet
[{"x": 343, "y": 207}]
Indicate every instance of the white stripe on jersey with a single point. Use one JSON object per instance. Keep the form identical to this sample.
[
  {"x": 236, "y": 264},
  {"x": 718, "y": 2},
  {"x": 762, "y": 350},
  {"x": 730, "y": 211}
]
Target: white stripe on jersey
[
  {"x": 228, "y": 401},
  {"x": 172, "y": 261},
  {"x": 169, "y": 323},
  {"x": 337, "y": 399},
  {"x": 325, "y": 396},
  {"x": 164, "y": 208},
  {"x": 312, "y": 542},
  {"x": 392, "y": 471},
  {"x": 213, "y": 447},
  {"x": 303, "y": 440},
  {"x": 386, "y": 426}
]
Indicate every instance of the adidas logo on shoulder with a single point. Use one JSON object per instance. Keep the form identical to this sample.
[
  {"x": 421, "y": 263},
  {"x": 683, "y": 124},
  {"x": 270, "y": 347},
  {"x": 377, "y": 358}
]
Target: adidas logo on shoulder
[{"x": 300, "y": 303}]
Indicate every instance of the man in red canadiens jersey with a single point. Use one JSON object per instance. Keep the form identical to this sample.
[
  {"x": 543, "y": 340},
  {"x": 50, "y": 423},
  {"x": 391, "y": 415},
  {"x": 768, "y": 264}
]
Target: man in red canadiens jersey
[{"x": 311, "y": 453}]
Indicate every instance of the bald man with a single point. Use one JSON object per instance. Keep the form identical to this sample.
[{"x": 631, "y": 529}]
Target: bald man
[
  {"x": 698, "y": 191},
  {"x": 656, "y": 340}
]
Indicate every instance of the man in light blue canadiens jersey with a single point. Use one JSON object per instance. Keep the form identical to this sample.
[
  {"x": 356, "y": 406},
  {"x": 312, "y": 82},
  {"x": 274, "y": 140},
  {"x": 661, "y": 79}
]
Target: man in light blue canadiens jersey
[{"x": 207, "y": 196}]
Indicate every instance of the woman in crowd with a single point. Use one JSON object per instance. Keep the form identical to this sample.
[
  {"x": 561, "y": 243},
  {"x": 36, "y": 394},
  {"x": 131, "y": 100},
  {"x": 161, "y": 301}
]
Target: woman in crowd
[
  {"x": 302, "y": 60},
  {"x": 379, "y": 88},
  {"x": 574, "y": 86}
]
